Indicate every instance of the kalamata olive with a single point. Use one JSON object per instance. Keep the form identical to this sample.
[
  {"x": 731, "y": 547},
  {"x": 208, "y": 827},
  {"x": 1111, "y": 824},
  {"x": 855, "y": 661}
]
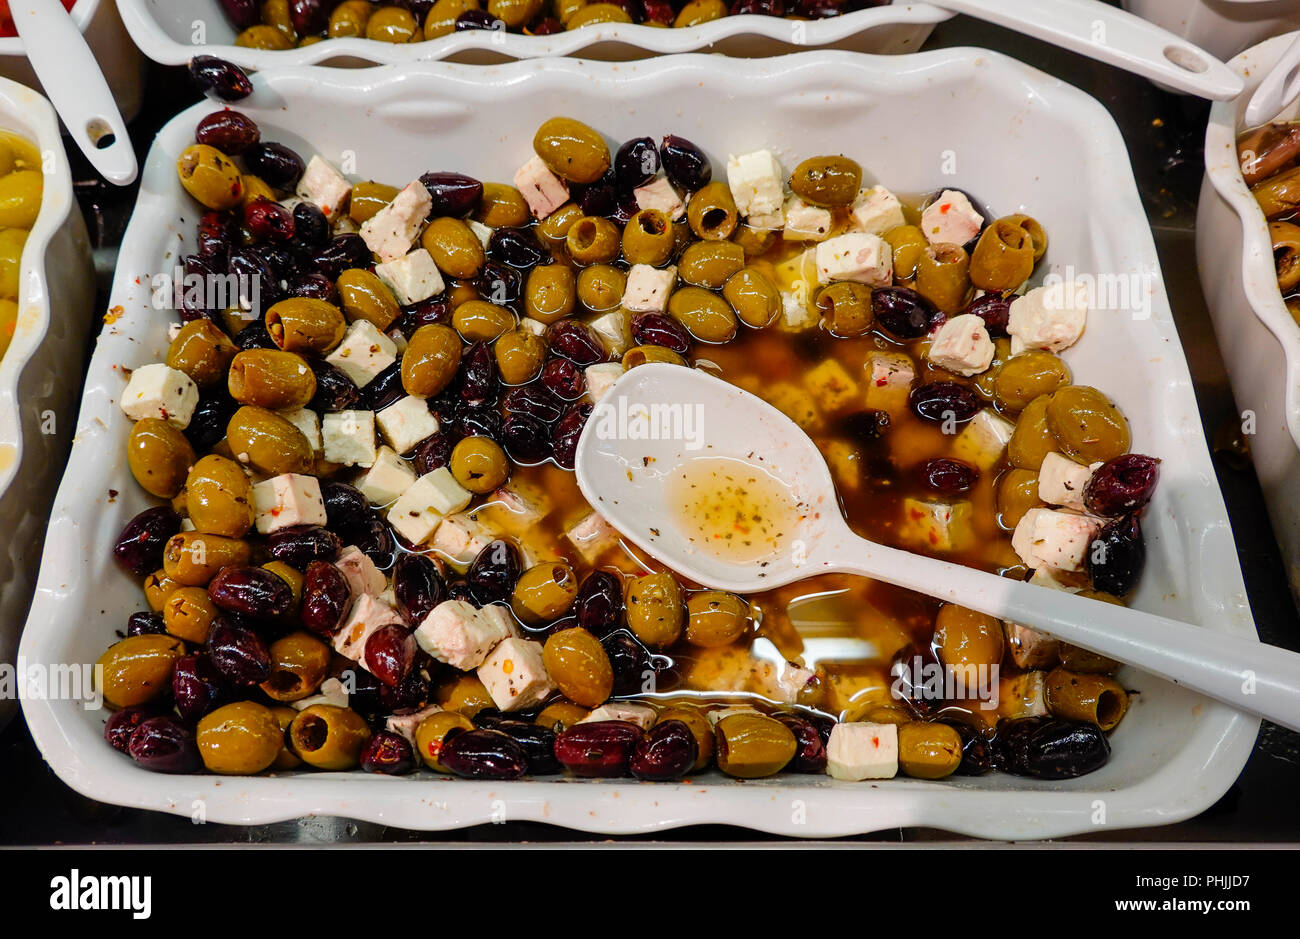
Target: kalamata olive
[
  {"x": 418, "y": 587},
  {"x": 517, "y": 247},
  {"x": 499, "y": 283},
  {"x": 684, "y": 163},
  {"x": 342, "y": 252},
  {"x": 667, "y": 751},
  {"x": 598, "y": 748},
  {"x": 382, "y": 390},
  {"x": 198, "y": 687},
  {"x": 576, "y": 342},
  {"x": 527, "y": 441},
  {"x": 141, "y": 623},
  {"x": 390, "y": 653},
  {"x": 410, "y": 694},
  {"x": 636, "y": 163},
  {"x": 660, "y": 13},
  {"x": 563, "y": 379},
  {"x": 865, "y": 427},
  {"x": 229, "y": 131},
  {"x": 1116, "y": 556},
  {"x": 344, "y": 505},
  {"x": 535, "y": 400},
  {"x": 546, "y": 26},
  {"x": 140, "y": 546},
  {"x": 658, "y": 329},
  {"x": 311, "y": 228},
  {"x": 484, "y": 754},
  {"x": 484, "y": 421},
  {"x": 164, "y": 745},
  {"x": 281, "y": 260},
  {"x": 299, "y": 545},
  {"x": 477, "y": 19},
  {"x": 459, "y": 590},
  {"x": 759, "y": 8},
  {"x": 256, "y": 284},
  {"x": 269, "y": 221},
  {"x": 488, "y": 718},
  {"x": 1050, "y": 748},
  {"x": 598, "y": 198},
  {"x": 309, "y": 17},
  {"x": 334, "y": 390},
  {"x": 810, "y": 748},
  {"x": 313, "y": 286},
  {"x": 325, "y": 598},
  {"x": 492, "y": 575},
  {"x": 944, "y": 402},
  {"x": 252, "y": 336},
  {"x": 388, "y": 753},
  {"x": 453, "y": 194},
  {"x": 976, "y": 752},
  {"x": 630, "y": 661},
  {"x": 1121, "y": 485},
  {"x": 564, "y": 439},
  {"x": 278, "y": 165},
  {"x": 538, "y": 744},
  {"x": 214, "y": 235},
  {"x": 633, "y": 8},
  {"x": 254, "y": 592},
  {"x": 904, "y": 313},
  {"x": 374, "y": 538},
  {"x": 210, "y": 418},
  {"x": 994, "y": 309},
  {"x": 242, "y": 13},
  {"x": 480, "y": 380},
  {"x": 193, "y": 304},
  {"x": 424, "y": 313},
  {"x": 239, "y": 654},
  {"x": 121, "y": 724},
  {"x": 599, "y": 604},
  {"x": 947, "y": 475},
  {"x": 433, "y": 452},
  {"x": 223, "y": 79}
]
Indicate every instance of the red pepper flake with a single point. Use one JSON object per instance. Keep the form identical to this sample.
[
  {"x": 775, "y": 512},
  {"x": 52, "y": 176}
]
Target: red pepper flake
[{"x": 945, "y": 208}]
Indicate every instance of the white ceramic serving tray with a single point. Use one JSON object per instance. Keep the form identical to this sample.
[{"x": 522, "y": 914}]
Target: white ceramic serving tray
[
  {"x": 171, "y": 31},
  {"x": 1258, "y": 337},
  {"x": 40, "y": 371},
  {"x": 1015, "y": 137}
]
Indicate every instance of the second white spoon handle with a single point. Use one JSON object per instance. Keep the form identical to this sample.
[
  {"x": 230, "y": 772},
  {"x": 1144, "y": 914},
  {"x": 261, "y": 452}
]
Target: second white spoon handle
[{"x": 1243, "y": 673}]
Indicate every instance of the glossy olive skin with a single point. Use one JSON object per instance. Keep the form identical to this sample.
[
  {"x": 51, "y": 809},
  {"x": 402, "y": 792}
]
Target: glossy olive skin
[
  {"x": 194, "y": 558},
  {"x": 700, "y": 728},
  {"x": 481, "y": 321},
  {"x": 593, "y": 240},
  {"x": 1121, "y": 485},
  {"x": 712, "y": 214},
  {"x": 329, "y": 737},
  {"x": 943, "y": 277},
  {"x": 827, "y": 181},
  {"x": 325, "y": 598},
  {"x": 600, "y": 287},
  {"x": 502, "y": 206},
  {"x": 271, "y": 378},
  {"x": 455, "y": 248},
  {"x": 163, "y": 745},
  {"x": 704, "y": 314},
  {"x": 710, "y": 263},
  {"x": 544, "y": 592},
  {"x": 1086, "y": 425},
  {"x": 667, "y": 751},
  {"x": 753, "y": 297},
  {"x": 810, "y": 754},
  {"x": 189, "y": 614},
  {"x": 550, "y": 293},
  {"x": 1022, "y": 378},
  {"x": 1032, "y": 440},
  {"x": 479, "y": 464},
  {"x": 648, "y": 238},
  {"x": 138, "y": 669},
  {"x": 240, "y": 739},
  {"x": 520, "y": 354},
  {"x": 579, "y": 666},
  {"x": 418, "y": 585},
  {"x": 1117, "y": 555},
  {"x": 367, "y": 198},
  {"x": 483, "y": 754},
  {"x": 571, "y": 150},
  {"x": 1003, "y": 257},
  {"x": 751, "y": 746},
  {"x": 202, "y": 351},
  {"x": 715, "y": 618},
  {"x": 433, "y": 732},
  {"x": 601, "y": 749},
  {"x": 299, "y": 663},
  {"x": 656, "y": 610},
  {"x": 210, "y": 177},
  {"x": 640, "y": 355},
  {"x": 964, "y": 637},
  {"x": 431, "y": 360},
  {"x": 140, "y": 546},
  {"x": 273, "y": 445},
  {"x": 1050, "y": 748},
  {"x": 159, "y": 457},
  {"x": 928, "y": 750},
  {"x": 1017, "y": 493},
  {"x": 846, "y": 309}
]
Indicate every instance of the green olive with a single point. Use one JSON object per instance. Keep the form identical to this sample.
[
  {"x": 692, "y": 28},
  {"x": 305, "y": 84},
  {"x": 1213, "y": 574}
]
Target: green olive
[
  {"x": 754, "y": 241},
  {"x": 600, "y": 287},
  {"x": 299, "y": 663},
  {"x": 206, "y": 173},
  {"x": 255, "y": 187},
  {"x": 560, "y": 715},
  {"x": 276, "y": 13},
  {"x": 454, "y": 247},
  {"x": 349, "y": 19},
  {"x": 592, "y": 14},
  {"x": 908, "y": 244},
  {"x": 479, "y": 464},
  {"x": 827, "y": 181},
  {"x": 712, "y": 213},
  {"x": 943, "y": 276},
  {"x": 520, "y": 355},
  {"x": 656, "y": 612},
  {"x": 553, "y": 229},
  {"x": 715, "y": 618},
  {"x": 464, "y": 694},
  {"x": 286, "y": 759},
  {"x": 431, "y": 359},
  {"x": 928, "y": 750},
  {"x": 1003, "y": 258},
  {"x": 363, "y": 296},
  {"x": 544, "y": 592},
  {"x": 1035, "y": 230},
  {"x": 138, "y": 669},
  {"x": 700, "y": 11},
  {"x": 480, "y": 321},
  {"x": 1081, "y": 696},
  {"x": 1086, "y": 425},
  {"x": 271, "y": 378},
  {"x": 219, "y": 498},
  {"x": 192, "y": 558},
  {"x": 701, "y": 730},
  {"x": 239, "y": 739},
  {"x": 432, "y": 733},
  {"x": 1031, "y": 441},
  {"x": 963, "y": 636},
  {"x": 516, "y": 14},
  {"x": 751, "y": 746},
  {"x": 705, "y": 315},
  {"x": 369, "y": 197},
  {"x": 502, "y": 206},
  {"x": 268, "y": 442},
  {"x": 710, "y": 263},
  {"x": 566, "y": 8},
  {"x": 263, "y": 36},
  {"x": 648, "y": 238},
  {"x": 1017, "y": 494},
  {"x": 189, "y": 614},
  {"x": 592, "y": 240},
  {"x": 550, "y": 292},
  {"x": 393, "y": 24},
  {"x": 640, "y": 355},
  {"x": 571, "y": 150},
  {"x": 846, "y": 309},
  {"x": 202, "y": 351},
  {"x": 329, "y": 737},
  {"x": 1022, "y": 378},
  {"x": 159, "y": 457},
  {"x": 305, "y": 325},
  {"x": 157, "y": 588},
  {"x": 753, "y": 296},
  {"x": 579, "y": 666}
]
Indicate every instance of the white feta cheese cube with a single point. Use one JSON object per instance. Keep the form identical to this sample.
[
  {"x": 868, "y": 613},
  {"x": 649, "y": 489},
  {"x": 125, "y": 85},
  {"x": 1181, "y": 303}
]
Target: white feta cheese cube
[
  {"x": 937, "y": 526},
  {"x": 307, "y": 421},
  {"x": 332, "y": 691},
  {"x": 344, "y": 225},
  {"x": 387, "y": 478},
  {"x": 445, "y": 494},
  {"x": 889, "y": 379},
  {"x": 368, "y": 614},
  {"x": 324, "y": 186},
  {"x": 406, "y": 422},
  {"x": 406, "y": 724},
  {"x": 640, "y": 714},
  {"x": 515, "y": 675},
  {"x": 768, "y": 221},
  {"x": 962, "y": 345},
  {"x": 856, "y": 256},
  {"x": 482, "y": 232},
  {"x": 797, "y": 313},
  {"x": 517, "y": 507},
  {"x": 390, "y": 231},
  {"x": 876, "y": 210},
  {"x": 542, "y": 190},
  {"x": 950, "y": 219},
  {"x": 1023, "y": 695},
  {"x": 983, "y": 440},
  {"x": 160, "y": 391},
  {"x": 660, "y": 194},
  {"x": 460, "y": 538},
  {"x": 360, "y": 572},
  {"x": 412, "y": 277},
  {"x": 757, "y": 183},
  {"x": 858, "y": 750},
  {"x": 536, "y": 327},
  {"x": 500, "y": 615},
  {"x": 349, "y": 438},
  {"x": 791, "y": 680},
  {"x": 363, "y": 353},
  {"x": 1061, "y": 481},
  {"x": 454, "y": 632},
  {"x": 614, "y": 330},
  {"x": 1030, "y": 648},
  {"x": 804, "y": 222},
  {"x": 648, "y": 288},
  {"x": 592, "y": 536},
  {"x": 413, "y": 515},
  {"x": 286, "y": 500},
  {"x": 1050, "y": 317},
  {"x": 1057, "y": 539},
  {"x": 601, "y": 377}
]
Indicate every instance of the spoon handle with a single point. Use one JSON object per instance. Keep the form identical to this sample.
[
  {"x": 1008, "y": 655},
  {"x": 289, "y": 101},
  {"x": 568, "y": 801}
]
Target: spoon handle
[
  {"x": 1239, "y": 671},
  {"x": 1112, "y": 36},
  {"x": 1278, "y": 89}
]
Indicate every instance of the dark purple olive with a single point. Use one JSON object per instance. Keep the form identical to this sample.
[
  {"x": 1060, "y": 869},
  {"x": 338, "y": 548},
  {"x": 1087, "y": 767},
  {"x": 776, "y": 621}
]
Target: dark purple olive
[
  {"x": 121, "y": 724},
  {"x": 517, "y": 247},
  {"x": 279, "y": 166},
  {"x": 527, "y": 441},
  {"x": 140, "y": 546},
  {"x": 994, "y": 309},
  {"x": 564, "y": 440},
  {"x": 268, "y": 221},
  {"x": 629, "y": 660},
  {"x": 281, "y": 260},
  {"x": 141, "y": 623},
  {"x": 904, "y": 313},
  {"x": 373, "y": 537},
  {"x": 810, "y": 749},
  {"x": 198, "y": 687},
  {"x": 239, "y": 654},
  {"x": 534, "y": 400},
  {"x": 252, "y": 336},
  {"x": 1050, "y": 748},
  {"x": 659, "y": 12},
  {"x": 345, "y": 506},
  {"x": 538, "y": 744},
  {"x": 944, "y": 402},
  {"x": 577, "y": 342},
  {"x": 418, "y": 586},
  {"x": 659, "y": 329},
  {"x": 341, "y": 253},
  {"x": 242, "y": 13},
  {"x": 478, "y": 19},
  {"x": 684, "y": 163},
  {"x": 865, "y": 427},
  {"x": 599, "y": 604},
  {"x": 310, "y": 226},
  {"x": 1116, "y": 556},
  {"x": 410, "y": 694},
  {"x": 500, "y": 283},
  {"x": 1122, "y": 485},
  {"x": 220, "y": 78},
  {"x": 453, "y": 194},
  {"x": 433, "y": 453},
  {"x": 492, "y": 575},
  {"x": 598, "y": 198},
  {"x": 947, "y": 475},
  {"x": 388, "y": 753},
  {"x": 482, "y": 421},
  {"x": 758, "y": 7},
  {"x": 193, "y": 304},
  {"x": 459, "y": 590},
  {"x": 447, "y": 404},
  {"x": 382, "y": 390},
  {"x": 598, "y": 748},
  {"x": 488, "y": 718},
  {"x": 666, "y": 751},
  {"x": 256, "y": 284},
  {"x": 976, "y": 751},
  {"x": 424, "y": 313},
  {"x": 229, "y": 131},
  {"x": 214, "y": 235},
  {"x": 563, "y": 379},
  {"x": 480, "y": 380},
  {"x": 334, "y": 390},
  {"x": 390, "y": 653},
  {"x": 824, "y": 723},
  {"x": 819, "y": 9},
  {"x": 312, "y": 286},
  {"x": 309, "y": 17},
  {"x": 299, "y": 545},
  {"x": 419, "y": 8},
  {"x": 254, "y": 592},
  {"x": 484, "y": 754},
  {"x": 211, "y": 416},
  {"x": 164, "y": 745},
  {"x": 636, "y": 163}
]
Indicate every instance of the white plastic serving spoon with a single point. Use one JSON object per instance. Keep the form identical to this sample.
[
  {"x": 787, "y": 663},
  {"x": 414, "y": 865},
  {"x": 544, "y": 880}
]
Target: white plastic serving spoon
[
  {"x": 659, "y": 419},
  {"x": 1113, "y": 36},
  {"x": 1278, "y": 89},
  {"x": 75, "y": 86}
]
